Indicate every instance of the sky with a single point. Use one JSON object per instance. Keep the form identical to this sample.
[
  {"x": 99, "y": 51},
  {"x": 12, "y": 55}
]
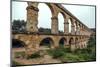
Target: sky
[{"x": 86, "y": 14}]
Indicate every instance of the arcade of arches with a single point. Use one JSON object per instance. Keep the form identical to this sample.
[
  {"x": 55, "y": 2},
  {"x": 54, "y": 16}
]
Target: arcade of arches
[{"x": 33, "y": 41}]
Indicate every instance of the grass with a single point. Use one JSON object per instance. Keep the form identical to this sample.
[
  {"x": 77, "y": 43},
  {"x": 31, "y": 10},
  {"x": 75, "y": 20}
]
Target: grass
[
  {"x": 58, "y": 52},
  {"x": 14, "y": 63},
  {"x": 69, "y": 58},
  {"x": 65, "y": 55},
  {"x": 19, "y": 54},
  {"x": 34, "y": 55}
]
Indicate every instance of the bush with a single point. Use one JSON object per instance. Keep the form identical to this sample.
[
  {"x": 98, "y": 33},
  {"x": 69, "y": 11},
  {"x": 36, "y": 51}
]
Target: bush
[
  {"x": 66, "y": 50},
  {"x": 34, "y": 55},
  {"x": 14, "y": 63},
  {"x": 69, "y": 57},
  {"x": 65, "y": 55},
  {"x": 85, "y": 50},
  {"x": 85, "y": 57},
  {"x": 19, "y": 54},
  {"x": 56, "y": 53}
]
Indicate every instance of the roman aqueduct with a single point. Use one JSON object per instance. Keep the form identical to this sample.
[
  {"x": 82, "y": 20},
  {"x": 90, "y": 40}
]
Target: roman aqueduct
[{"x": 78, "y": 37}]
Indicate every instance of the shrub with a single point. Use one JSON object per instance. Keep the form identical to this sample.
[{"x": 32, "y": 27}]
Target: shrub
[
  {"x": 56, "y": 53},
  {"x": 66, "y": 50},
  {"x": 85, "y": 57},
  {"x": 69, "y": 57},
  {"x": 14, "y": 63},
  {"x": 34, "y": 55},
  {"x": 19, "y": 54},
  {"x": 85, "y": 50}
]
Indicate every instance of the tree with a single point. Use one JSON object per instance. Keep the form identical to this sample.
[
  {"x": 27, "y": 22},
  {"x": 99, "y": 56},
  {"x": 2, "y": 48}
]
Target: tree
[{"x": 18, "y": 25}]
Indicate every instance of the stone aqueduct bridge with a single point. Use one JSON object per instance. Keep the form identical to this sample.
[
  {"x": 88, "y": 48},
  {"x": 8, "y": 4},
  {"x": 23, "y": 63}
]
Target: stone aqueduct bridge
[{"x": 76, "y": 39}]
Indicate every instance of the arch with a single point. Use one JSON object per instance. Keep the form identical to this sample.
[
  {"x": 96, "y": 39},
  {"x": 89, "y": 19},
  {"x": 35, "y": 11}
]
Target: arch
[
  {"x": 82, "y": 46},
  {"x": 71, "y": 41},
  {"x": 76, "y": 39},
  {"x": 61, "y": 22},
  {"x": 71, "y": 20},
  {"x": 79, "y": 25},
  {"x": 77, "y": 28},
  {"x": 77, "y": 42},
  {"x": 83, "y": 38},
  {"x": 17, "y": 43},
  {"x": 46, "y": 42},
  {"x": 51, "y": 8},
  {"x": 62, "y": 41},
  {"x": 80, "y": 38},
  {"x": 64, "y": 15},
  {"x": 44, "y": 17},
  {"x": 76, "y": 24},
  {"x": 70, "y": 23}
]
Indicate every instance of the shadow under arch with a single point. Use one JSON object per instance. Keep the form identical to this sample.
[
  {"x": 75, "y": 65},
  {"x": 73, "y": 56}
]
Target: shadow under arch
[
  {"x": 64, "y": 15},
  {"x": 62, "y": 41},
  {"x": 76, "y": 40},
  {"x": 17, "y": 43},
  {"x": 46, "y": 43},
  {"x": 71, "y": 41}
]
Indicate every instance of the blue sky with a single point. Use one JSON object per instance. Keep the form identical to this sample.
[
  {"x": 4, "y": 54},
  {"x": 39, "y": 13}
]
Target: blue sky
[{"x": 86, "y": 14}]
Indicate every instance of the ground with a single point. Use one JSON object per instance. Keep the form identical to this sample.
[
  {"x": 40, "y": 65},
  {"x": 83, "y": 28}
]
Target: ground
[{"x": 41, "y": 60}]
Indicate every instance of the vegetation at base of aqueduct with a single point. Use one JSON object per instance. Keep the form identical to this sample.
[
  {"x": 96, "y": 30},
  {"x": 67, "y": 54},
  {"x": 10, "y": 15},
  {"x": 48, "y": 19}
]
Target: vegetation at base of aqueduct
[{"x": 86, "y": 54}]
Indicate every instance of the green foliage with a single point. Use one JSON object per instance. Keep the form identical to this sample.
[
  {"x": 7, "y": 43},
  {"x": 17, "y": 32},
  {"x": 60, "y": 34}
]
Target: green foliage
[
  {"x": 89, "y": 53},
  {"x": 85, "y": 50},
  {"x": 62, "y": 48},
  {"x": 92, "y": 47},
  {"x": 19, "y": 54},
  {"x": 92, "y": 42},
  {"x": 45, "y": 30},
  {"x": 34, "y": 55},
  {"x": 86, "y": 57},
  {"x": 56, "y": 53},
  {"x": 69, "y": 57},
  {"x": 86, "y": 54},
  {"x": 18, "y": 25},
  {"x": 14, "y": 63}
]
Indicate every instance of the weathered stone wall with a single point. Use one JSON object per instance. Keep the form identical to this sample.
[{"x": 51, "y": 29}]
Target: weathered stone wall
[
  {"x": 32, "y": 19},
  {"x": 32, "y": 41}
]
